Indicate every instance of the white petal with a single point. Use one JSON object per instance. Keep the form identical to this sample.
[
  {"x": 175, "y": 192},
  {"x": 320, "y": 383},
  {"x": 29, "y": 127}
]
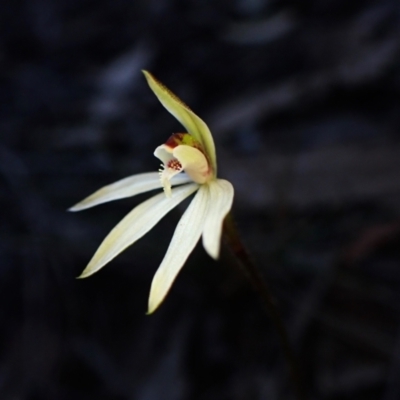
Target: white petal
[
  {"x": 135, "y": 225},
  {"x": 127, "y": 187},
  {"x": 221, "y": 197},
  {"x": 186, "y": 235},
  {"x": 165, "y": 178},
  {"x": 194, "y": 124},
  {"x": 163, "y": 153}
]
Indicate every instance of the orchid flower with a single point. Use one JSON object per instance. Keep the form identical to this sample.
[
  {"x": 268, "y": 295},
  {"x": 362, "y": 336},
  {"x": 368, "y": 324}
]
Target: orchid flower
[{"x": 188, "y": 165}]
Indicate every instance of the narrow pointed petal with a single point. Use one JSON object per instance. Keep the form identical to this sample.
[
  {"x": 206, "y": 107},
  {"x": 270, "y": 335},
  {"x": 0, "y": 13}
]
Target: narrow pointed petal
[
  {"x": 135, "y": 225},
  {"x": 221, "y": 198},
  {"x": 185, "y": 238},
  {"x": 194, "y": 124},
  {"x": 127, "y": 187}
]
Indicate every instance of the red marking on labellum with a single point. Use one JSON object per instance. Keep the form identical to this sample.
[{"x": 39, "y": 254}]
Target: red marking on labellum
[
  {"x": 174, "y": 140},
  {"x": 175, "y": 165}
]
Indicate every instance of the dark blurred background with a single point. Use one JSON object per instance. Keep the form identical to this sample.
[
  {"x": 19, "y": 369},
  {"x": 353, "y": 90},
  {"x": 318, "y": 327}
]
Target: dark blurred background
[{"x": 303, "y": 101}]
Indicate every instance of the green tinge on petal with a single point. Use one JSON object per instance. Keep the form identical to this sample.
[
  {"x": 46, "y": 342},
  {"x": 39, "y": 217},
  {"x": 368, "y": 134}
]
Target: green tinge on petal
[
  {"x": 127, "y": 187},
  {"x": 221, "y": 198},
  {"x": 135, "y": 225},
  {"x": 187, "y": 139},
  {"x": 185, "y": 238},
  {"x": 194, "y": 124}
]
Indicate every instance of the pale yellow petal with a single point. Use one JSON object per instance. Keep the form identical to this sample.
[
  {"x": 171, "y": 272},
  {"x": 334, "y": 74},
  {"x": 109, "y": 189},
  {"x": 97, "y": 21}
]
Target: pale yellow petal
[
  {"x": 194, "y": 124},
  {"x": 221, "y": 198},
  {"x": 186, "y": 235},
  {"x": 127, "y": 187},
  {"x": 135, "y": 225},
  {"x": 193, "y": 162}
]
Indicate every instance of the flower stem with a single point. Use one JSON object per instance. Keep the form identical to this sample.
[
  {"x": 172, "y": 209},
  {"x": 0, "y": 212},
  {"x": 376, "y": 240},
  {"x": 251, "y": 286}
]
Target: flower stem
[{"x": 253, "y": 274}]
